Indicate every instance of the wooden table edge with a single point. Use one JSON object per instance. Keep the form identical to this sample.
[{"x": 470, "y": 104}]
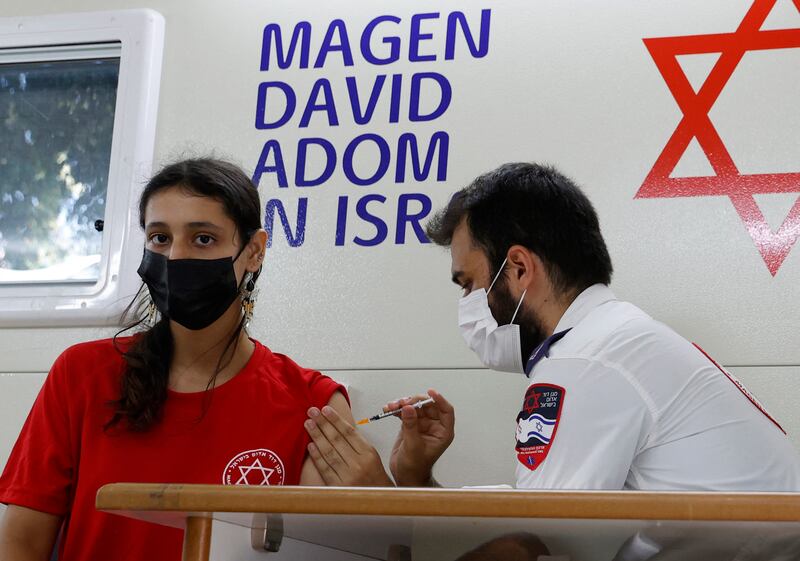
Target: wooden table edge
[{"x": 494, "y": 503}]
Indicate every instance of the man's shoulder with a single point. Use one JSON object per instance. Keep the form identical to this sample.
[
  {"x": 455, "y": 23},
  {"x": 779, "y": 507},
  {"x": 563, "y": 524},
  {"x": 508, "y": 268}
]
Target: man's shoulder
[
  {"x": 617, "y": 331},
  {"x": 619, "y": 337},
  {"x": 600, "y": 326}
]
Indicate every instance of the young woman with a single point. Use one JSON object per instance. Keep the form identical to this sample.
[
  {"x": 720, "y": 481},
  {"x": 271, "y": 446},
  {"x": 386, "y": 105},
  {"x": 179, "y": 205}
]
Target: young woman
[{"x": 188, "y": 399}]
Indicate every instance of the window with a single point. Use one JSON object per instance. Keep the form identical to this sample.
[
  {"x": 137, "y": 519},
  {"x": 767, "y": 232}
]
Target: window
[
  {"x": 77, "y": 127},
  {"x": 56, "y": 121}
]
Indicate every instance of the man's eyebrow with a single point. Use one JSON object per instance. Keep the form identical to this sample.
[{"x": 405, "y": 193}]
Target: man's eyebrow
[
  {"x": 156, "y": 225},
  {"x": 457, "y": 277}
]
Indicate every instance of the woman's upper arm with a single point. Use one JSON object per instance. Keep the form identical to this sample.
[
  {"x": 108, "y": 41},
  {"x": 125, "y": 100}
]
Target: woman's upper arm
[
  {"x": 339, "y": 402},
  {"x": 309, "y": 474},
  {"x": 27, "y": 534}
]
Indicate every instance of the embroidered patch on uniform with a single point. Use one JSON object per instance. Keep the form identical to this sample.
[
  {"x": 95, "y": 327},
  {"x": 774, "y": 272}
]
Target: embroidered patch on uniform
[
  {"x": 254, "y": 467},
  {"x": 537, "y": 423}
]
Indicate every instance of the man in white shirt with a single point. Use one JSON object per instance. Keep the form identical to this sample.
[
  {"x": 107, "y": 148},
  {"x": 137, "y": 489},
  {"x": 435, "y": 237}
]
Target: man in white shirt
[{"x": 617, "y": 400}]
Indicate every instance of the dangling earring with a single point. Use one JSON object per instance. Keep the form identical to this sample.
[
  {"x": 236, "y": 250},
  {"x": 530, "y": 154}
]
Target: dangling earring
[
  {"x": 248, "y": 296},
  {"x": 151, "y": 318}
]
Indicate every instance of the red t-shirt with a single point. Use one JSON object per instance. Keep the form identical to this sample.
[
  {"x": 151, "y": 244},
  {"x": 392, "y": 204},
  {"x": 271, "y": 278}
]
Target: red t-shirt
[{"x": 249, "y": 430}]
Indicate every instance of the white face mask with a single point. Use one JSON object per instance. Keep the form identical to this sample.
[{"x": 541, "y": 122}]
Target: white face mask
[{"x": 498, "y": 347}]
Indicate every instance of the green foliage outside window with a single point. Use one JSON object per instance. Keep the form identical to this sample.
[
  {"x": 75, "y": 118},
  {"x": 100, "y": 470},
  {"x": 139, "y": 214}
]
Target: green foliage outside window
[{"x": 56, "y": 124}]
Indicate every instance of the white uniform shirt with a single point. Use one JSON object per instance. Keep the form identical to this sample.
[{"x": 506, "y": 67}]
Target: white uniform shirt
[{"x": 622, "y": 401}]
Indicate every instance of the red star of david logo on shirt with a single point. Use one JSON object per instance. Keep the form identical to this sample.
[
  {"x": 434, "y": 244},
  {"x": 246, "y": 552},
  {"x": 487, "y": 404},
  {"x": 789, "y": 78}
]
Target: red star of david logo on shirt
[{"x": 774, "y": 246}]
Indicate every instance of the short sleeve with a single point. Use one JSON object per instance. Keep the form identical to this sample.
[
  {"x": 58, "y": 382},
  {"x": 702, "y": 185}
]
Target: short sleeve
[
  {"x": 580, "y": 426},
  {"x": 321, "y": 388},
  {"x": 41, "y": 470}
]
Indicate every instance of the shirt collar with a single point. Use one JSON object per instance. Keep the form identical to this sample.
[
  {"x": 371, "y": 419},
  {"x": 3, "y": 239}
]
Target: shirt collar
[
  {"x": 583, "y": 304},
  {"x": 586, "y": 301},
  {"x": 543, "y": 349}
]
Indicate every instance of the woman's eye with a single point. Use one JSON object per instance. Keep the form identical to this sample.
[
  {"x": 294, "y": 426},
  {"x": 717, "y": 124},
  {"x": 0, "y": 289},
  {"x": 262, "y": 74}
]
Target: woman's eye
[
  {"x": 159, "y": 239},
  {"x": 204, "y": 239}
]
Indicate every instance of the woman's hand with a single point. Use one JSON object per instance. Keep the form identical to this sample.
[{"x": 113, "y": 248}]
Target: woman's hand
[{"x": 341, "y": 456}]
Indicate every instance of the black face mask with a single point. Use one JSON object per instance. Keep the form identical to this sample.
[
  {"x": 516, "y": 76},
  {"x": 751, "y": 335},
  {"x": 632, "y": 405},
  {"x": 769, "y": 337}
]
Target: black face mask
[{"x": 192, "y": 292}]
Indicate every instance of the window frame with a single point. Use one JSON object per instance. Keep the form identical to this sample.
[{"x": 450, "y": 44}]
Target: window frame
[{"x": 140, "y": 35}]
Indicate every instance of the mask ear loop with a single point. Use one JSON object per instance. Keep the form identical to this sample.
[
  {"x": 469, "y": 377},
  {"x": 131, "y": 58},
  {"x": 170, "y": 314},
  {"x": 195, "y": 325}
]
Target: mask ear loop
[
  {"x": 524, "y": 292},
  {"x": 249, "y": 279},
  {"x": 497, "y": 276},
  {"x": 244, "y": 245}
]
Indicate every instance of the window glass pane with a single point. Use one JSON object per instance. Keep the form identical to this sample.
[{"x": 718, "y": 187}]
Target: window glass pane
[{"x": 56, "y": 125}]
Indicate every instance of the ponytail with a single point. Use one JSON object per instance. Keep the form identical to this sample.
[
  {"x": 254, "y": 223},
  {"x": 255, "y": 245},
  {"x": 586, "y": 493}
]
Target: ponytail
[{"x": 143, "y": 389}]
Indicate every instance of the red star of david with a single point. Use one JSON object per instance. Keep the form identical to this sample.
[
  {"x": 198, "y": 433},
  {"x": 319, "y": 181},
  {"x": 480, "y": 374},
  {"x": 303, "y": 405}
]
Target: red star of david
[
  {"x": 774, "y": 247},
  {"x": 533, "y": 400}
]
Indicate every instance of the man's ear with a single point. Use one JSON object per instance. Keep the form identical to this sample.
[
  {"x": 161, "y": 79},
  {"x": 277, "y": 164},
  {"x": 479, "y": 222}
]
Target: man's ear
[
  {"x": 256, "y": 249},
  {"x": 524, "y": 265}
]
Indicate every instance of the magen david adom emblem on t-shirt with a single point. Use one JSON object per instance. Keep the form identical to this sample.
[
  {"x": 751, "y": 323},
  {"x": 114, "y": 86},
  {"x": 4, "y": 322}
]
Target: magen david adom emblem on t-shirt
[{"x": 254, "y": 467}]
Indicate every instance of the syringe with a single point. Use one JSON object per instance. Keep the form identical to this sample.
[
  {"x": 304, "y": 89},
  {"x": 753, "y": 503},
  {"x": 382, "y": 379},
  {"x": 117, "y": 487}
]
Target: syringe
[{"x": 379, "y": 416}]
